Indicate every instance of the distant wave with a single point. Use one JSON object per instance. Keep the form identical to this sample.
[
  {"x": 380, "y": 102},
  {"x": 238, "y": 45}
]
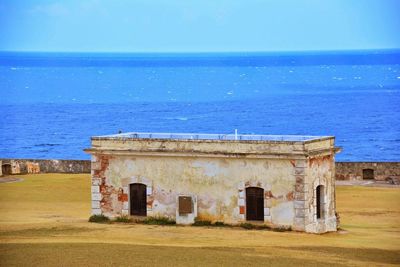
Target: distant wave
[{"x": 44, "y": 145}]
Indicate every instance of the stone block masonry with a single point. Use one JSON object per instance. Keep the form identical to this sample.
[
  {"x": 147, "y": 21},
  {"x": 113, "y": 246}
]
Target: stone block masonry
[
  {"x": 24, "y": 166},
  {"x": 367, "y": 170}
]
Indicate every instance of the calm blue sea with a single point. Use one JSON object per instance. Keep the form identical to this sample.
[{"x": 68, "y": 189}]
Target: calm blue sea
[{"x": 52, "y": 103}]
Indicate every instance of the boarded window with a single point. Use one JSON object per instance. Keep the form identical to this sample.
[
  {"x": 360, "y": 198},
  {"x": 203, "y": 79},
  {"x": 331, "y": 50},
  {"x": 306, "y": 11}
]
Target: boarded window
[
  {"x": 185, "y": 205},
  {"x": 254, "y": 204},
  {"x": 368, "y": 174},
  {"x": 138, "y": 199},
  {"x": 320, "y": 201}
]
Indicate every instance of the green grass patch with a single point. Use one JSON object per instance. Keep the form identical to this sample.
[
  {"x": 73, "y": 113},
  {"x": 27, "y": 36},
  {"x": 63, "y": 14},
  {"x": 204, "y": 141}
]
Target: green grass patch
[
  {"x": 202, "y": 223},
  {"x": 280, "y": 228},
  {"x": 247, "y": 226},
  {"x": 158, "y": 221},
  {"x": 99, "y": 218},
  {"x": 123, "y": 219},
  {"x": 221, "y": 224},
  {"x": 251, "y": 226}
]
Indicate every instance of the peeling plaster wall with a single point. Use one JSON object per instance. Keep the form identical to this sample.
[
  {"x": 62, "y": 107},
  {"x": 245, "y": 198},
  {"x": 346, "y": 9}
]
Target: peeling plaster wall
[
  {"x": 321, "y": 171},
  {"x": 217, "y": 172},
  {"x": 218, "y": 184}
]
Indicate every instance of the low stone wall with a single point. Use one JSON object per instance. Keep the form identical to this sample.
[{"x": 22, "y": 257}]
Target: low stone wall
[
  {"x": 22, "y": 166},
  {"x": 344, "y": 170},
  {"x": 367, "y": 170}
]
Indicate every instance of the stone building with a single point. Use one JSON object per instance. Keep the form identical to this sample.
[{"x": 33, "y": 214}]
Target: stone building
[{"x": 281, "y": 181}]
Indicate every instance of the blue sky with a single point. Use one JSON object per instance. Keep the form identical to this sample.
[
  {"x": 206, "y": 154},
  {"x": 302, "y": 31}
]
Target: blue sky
[{"x": 198, "y": 26}]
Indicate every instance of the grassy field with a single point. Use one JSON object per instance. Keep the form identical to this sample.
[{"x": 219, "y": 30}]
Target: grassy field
[{"x": 43, "y": 221}]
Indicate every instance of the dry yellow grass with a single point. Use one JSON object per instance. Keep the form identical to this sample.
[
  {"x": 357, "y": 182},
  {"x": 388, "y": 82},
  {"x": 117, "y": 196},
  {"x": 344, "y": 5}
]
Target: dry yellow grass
[{"x": 43, "y": 221}]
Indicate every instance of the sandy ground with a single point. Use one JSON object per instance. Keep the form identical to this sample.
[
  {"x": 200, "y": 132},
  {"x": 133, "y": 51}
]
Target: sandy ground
[
  {"x": 10, "y": 179},
  {"x": 43, "y": 221},
  {"x": 371, "y": 183}
]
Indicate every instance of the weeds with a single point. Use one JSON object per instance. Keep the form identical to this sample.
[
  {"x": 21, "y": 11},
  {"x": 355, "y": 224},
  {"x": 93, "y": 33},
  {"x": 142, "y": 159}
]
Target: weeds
[
  {"x": 220, "y": 224},
  {"x": 123, "y": 219},
  {"x": 99, "y": 218},
  {"x": 247, "y": 226},
  {"x": 281, "y": 229},
  {"x": 158, "y": 221},
  {"x": 201, "y": 223}
]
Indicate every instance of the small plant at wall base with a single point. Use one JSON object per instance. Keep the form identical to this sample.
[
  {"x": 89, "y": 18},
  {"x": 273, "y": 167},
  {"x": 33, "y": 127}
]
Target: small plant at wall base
[
  {"x": 337, "y": 220},
  {"x": 158, "y": 221},
  {"x": 247, "y": 226},
  {"x": 281, "y": 229},
  {"x": 99, "y": 218},
  {"x": 220, "y": 224},
  {"x": 198, "y": 222},
  {"x": 123, "y": 219},
  {"x": 250, "y": 226}
]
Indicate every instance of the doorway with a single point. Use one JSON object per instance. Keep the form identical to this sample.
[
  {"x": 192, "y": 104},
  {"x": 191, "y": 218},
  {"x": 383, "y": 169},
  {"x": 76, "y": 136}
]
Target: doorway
[
  {"x": 138, "y": 199},
  {"x": 6, "y": 169},
  {"x": 368, "y": 174},
  {"x": 254, "y": 204}
]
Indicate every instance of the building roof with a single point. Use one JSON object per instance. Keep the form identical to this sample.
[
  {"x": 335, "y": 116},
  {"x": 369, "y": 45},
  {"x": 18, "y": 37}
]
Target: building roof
[{"x": 211, "y": 137}]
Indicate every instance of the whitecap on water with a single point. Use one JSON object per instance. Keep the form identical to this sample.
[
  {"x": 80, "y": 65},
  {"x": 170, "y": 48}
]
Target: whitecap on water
[
  {"x": 177, "y": 118},
  {"x": 337, "y": 78}
]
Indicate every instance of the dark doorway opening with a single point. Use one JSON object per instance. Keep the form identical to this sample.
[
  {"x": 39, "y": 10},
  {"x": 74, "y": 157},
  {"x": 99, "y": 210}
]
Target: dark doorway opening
[
  {"x": 138, "y": 199},
  {"x": 320, "y": 201},
  {"x": 6, "y": 169},
  {"x": 254, "y": 204},
  {"x": 368, "y": 174}
]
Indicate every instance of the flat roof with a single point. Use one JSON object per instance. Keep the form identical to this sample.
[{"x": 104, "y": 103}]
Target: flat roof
[{"x": 198, "y": 136}]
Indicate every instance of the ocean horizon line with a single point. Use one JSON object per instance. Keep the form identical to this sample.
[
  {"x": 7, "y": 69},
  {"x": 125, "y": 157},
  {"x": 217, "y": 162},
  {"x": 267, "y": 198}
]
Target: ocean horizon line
[
  {"x": 111, "y": 59},
  {"x": 200, "y": 53}
]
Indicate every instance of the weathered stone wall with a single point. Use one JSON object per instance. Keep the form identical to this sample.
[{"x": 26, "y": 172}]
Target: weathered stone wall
[
  {"x": 218, "y": 173},
  {"x": 23, "y": 166},
  {"x": 354, "y": 170},
  {"x": 219, "y": 185},
  {"x": 320, "y": 172}
]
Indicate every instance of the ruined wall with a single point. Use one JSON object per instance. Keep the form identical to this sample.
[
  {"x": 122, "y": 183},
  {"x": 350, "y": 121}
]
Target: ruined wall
[
  {"x": 23, "y": 166},
  {"x": 354, "y": 170},
  {"x": 218, "y": 183}
]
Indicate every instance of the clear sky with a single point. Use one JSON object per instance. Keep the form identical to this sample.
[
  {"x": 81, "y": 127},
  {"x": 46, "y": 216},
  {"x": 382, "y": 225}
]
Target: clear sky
[{"x": 198, "y": 26}]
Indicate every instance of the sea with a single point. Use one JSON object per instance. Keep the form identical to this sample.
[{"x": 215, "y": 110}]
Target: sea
[{"x": 52, "y": 103}]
